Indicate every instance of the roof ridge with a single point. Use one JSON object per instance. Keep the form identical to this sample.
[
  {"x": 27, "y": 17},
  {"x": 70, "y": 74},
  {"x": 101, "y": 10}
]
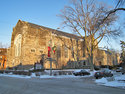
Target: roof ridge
[{"x": 54, "y": 31}]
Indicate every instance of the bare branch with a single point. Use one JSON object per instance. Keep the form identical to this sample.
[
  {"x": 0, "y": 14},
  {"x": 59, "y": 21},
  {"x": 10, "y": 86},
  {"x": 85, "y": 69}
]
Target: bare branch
[{"x": 91, "y": 21}]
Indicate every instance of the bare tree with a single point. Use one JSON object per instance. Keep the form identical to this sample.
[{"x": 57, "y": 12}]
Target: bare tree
[
  {"x": 1, "y": 45},
  {"x": 118, "y": 7},
  {"x": 4, "y": 45},
  {"x": 120, "y": 3},
  {"x": 87, "y": 19}
]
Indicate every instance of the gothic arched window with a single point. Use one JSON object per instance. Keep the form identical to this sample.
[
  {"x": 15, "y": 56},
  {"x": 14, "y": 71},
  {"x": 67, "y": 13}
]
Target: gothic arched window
[{"x": 17, "y": 45}]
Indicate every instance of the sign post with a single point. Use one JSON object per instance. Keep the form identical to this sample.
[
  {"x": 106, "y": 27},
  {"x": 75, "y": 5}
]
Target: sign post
[
  {"x": 51, "y": 60},
  {"x": 50, "y": 66},
  {"x": 51, "y": 51}
]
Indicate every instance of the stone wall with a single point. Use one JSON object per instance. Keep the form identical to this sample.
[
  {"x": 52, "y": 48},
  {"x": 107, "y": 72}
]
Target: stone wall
[{"x": 34, "y": 43}]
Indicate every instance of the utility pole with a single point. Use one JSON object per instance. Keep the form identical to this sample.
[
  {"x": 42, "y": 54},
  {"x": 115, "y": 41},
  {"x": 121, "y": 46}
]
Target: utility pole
[{"x": 50, "y": 66}]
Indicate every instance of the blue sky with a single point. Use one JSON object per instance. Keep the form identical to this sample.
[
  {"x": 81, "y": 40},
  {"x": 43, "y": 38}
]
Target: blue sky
[{"x": 41, "y": 12}]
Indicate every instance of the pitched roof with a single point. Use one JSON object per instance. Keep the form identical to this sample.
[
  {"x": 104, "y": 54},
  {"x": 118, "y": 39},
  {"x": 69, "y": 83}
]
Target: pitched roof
[{"x": 55, "y": 31}]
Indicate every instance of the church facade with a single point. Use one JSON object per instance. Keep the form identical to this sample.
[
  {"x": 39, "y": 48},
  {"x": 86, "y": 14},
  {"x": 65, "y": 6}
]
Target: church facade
[{"x": 31, "y": 43}]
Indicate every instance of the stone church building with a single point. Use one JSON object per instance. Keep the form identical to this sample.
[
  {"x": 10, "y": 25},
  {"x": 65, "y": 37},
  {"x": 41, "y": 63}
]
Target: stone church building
[{"x": 30, "y": 44}]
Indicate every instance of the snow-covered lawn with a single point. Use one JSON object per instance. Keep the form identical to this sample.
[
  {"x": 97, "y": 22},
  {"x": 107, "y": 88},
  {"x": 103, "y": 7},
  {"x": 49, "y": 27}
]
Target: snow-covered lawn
[
  {"x": 115, "y": 81},
  {"x": 41, "y": 76},
  {"x": 15, "y": 76},
  {"x": 46, "y": 75}
]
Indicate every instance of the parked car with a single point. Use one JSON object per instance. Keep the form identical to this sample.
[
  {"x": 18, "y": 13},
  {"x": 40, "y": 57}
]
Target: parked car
[
  {"x": 81, "y": 73},
  {"x": 123, "y": 71},
  {"x": 103, "y": 73},
  {"x": 98, "y": 75},
  {"x": 119, "y": 69}
]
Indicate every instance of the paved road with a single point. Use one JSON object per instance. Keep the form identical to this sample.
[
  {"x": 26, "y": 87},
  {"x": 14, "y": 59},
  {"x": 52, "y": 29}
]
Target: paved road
[{"x": 10, "y": 85}]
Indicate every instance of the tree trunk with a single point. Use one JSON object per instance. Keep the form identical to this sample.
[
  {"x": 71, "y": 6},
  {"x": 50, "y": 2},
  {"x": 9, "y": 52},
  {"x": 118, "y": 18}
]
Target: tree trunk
[
  {"x": 91, "y": 59},
  {"x": 91, "y": 62}
]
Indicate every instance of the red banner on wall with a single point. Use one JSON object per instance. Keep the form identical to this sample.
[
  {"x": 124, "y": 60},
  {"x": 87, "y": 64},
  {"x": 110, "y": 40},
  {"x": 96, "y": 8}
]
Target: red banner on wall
[{"x": 49, "y": 49}]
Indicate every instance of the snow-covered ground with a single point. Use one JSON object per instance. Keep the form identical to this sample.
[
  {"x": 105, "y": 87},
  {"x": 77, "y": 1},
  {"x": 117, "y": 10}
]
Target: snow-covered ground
[
  {"x": 46, "y": 75},
  {"x": 118, "y": 80},
  {"x": 15, "y": 76},
  {"x": 42, "y": 76}
]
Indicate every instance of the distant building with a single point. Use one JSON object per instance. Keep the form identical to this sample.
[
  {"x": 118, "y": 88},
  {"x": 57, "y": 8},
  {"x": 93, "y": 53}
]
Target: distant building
[
  {"x": 3, "y": 58},
  {"x": 105, "y": 57}
]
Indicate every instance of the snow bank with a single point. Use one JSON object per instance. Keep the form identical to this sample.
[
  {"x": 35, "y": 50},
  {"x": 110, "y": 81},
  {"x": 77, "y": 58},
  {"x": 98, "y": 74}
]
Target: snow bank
[
  {"x": 119, "y": 78},
  {"x": 43, "y": 76},
  {"x": 117, "y": 81},
  {"x": 15, "y": 76},
  {"x": 47, "y": 72},
  {"x": 60, "y": 76},
  {"x": 102, "y": 80}
]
